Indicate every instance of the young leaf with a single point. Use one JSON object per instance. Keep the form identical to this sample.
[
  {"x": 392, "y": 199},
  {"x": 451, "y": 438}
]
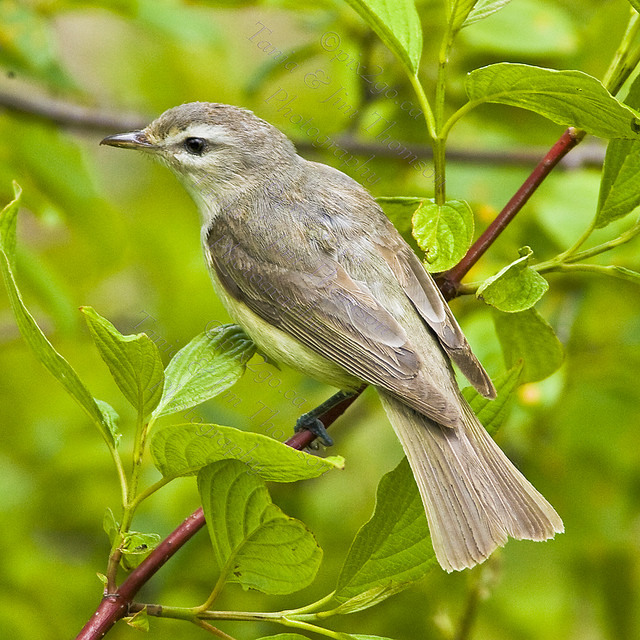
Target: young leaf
[
  {"x": 139, "y": 620},
  {"x": 397, "y": 24},
  {"x": 444, "y": 232},
  {"x": 42, "y": 348},
  {"x": 570, "y": 98},
  {"x": 136, "y": 546},
  {"x": 393, "y": 549},
  {"x": 183, "y": 449},
  {"x": 134, "y": 362},
  {"x": 517, "y": 287},
  {"x": 483, "y": 9},
  {"x": 492, "y": 413},
  {"x": 619, "y": 193},
  {"x": 110, "y": 525},
  {"x": 209, "y": 364},
  {"x": 255, "y": 544},
  {"x": 111, "y": 418},
  {"x": 458, "y": 11},
  {"x": 527, "y": 336}
]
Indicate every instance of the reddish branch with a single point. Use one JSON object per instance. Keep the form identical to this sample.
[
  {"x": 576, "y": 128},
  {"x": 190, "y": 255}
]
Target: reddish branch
[
  {"x": 116, "y": 605},
  {"x": 449, "y": 281}
]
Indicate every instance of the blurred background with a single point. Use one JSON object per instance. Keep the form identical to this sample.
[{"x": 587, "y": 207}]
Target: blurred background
[{"x": 110, "y": 229}]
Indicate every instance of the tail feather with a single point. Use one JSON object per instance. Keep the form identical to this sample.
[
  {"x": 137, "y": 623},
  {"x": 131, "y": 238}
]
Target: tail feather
[{"x": 473, "y": 495}]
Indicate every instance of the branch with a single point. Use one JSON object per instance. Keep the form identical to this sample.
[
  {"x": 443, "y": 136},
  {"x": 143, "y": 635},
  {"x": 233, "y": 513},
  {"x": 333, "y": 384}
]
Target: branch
[
  {"x": 73, "y": 116},
  {"x": 115, "y": 606},
  {"x": 449, "y": 281}
]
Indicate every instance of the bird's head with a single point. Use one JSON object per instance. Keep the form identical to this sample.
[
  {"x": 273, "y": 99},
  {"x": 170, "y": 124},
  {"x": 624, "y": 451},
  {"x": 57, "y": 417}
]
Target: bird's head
[{"x": 215, "y": 150}]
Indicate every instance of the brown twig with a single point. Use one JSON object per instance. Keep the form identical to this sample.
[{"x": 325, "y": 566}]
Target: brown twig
[
  {"x": 449, "y": 281},
  {"x": 115, "y": 606}
]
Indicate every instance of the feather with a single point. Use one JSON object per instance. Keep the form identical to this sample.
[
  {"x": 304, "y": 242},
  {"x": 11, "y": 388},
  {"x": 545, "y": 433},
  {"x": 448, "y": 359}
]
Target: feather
[{"x": 474, "y": 497}]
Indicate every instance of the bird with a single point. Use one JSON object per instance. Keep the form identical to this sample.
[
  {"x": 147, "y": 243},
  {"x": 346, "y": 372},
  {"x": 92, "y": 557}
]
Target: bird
[{"x": 306, "y": 262}]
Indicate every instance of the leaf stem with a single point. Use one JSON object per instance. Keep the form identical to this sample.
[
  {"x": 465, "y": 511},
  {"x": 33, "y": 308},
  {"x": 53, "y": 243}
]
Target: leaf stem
[
  {"x": 604, "y": 270},
  {"x": 424, "y": 105},
  {"x": 625, "y": 59},
  {"x": 150, "y": 490},
  {"x": 310, "y": 608},
  {"x": 458, "y": 115},
  {"x": 573, "y": 255},
  {"x": 122, "y": 476},
  {"x": 192, "y": 615}
]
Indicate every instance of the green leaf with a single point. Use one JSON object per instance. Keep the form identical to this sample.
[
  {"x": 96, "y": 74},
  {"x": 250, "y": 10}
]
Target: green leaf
[
  {"x": 393, "y": 549},
  {"x": 625, "y": 274},
  {"x": 397, "y": 24},
  {"x": 111, "y": 418},
  {"x": 134, "y": 362},
  {"x": 183, "y": 449},
  {"x": 400, "y": 210},
  {"x": 619, "y": 192},
  {"x": 209, "y": 364},
  {"x": 139, "y": 620},
  {"x": 110, "y": 525},
  {"x": 254, "y": 542},
  {"x": 458, "y": 10},
  {"x": 444, "y": 232},
  {"x": 570, "y": 98},
  {"x": 136, "y": 546},
  {"x": 492, "y": 413},
  {"x": 483, "y": 9},
  {"x": 527, "y": 336},
  {"x": 517, "y": 287},
  {"x": 42, "y": 348}
]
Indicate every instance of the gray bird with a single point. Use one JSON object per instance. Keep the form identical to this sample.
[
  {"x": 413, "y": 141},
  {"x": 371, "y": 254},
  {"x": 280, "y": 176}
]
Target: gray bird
[{"x": 304, "y": 259}]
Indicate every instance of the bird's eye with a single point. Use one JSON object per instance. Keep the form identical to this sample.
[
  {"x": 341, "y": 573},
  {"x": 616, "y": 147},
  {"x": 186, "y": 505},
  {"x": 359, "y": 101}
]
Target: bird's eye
[{"x": 195, "y": 146}]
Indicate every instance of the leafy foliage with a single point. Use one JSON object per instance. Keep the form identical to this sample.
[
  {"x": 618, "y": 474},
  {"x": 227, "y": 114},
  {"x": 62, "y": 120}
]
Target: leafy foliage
[
  {"x": 143, "y": 258},
  {"x": 571, "y": 98},
  {"x": 516, "y": 287},
  {"x": 398, "y": 25},
  {"x": 134, "y": 362},
  {"x": 444, "y": 232},
  {"x": 209, "y": 364},
  {"x": 254, "y": 543},
  {"x": 38, "y": 342},
  {"x": 184, "y": 449}
]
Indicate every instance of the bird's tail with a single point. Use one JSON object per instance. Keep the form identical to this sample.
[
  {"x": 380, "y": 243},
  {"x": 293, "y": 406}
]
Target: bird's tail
[{"x": 473, "y": 495}]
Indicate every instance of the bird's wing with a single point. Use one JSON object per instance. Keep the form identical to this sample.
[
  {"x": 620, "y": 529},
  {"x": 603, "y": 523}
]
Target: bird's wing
[
  {"x": 330, "y": 313},
  {"x": 431, "y": 305}
]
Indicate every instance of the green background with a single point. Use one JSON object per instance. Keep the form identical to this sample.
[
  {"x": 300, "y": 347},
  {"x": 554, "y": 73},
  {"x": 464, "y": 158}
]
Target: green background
[{"x": 110, "y": 229}]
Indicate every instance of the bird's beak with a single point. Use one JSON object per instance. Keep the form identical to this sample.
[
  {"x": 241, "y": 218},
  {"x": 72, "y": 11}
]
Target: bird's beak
[{"x": 131, "y": 140}]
